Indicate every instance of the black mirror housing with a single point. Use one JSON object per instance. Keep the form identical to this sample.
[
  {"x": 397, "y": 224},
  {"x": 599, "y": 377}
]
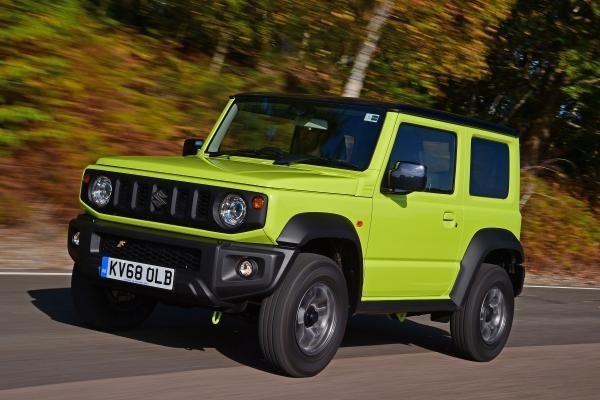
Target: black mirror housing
[
  {"x": 191, "y": 146},
  {"x": 407, "y": 177}
]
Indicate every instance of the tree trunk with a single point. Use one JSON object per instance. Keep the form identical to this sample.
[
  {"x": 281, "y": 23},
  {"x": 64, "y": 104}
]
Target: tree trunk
[
  {"x": 535, "y": 140},
  {"x": 221, "y": 51},
  {"x": 363, "y": 58}
]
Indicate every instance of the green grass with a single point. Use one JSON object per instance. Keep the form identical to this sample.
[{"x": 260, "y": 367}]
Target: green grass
[{"x": 67, "y": 76}]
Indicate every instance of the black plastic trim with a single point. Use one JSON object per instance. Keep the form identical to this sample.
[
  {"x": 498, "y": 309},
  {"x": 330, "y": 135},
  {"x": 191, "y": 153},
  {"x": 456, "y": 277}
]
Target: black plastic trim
[
  {"x": 409, "y": 306},
  {"x": 483, "y": 243},
  {"x": 399, "y": 107},
  {"x": 302, "y": 228},
  {"x": 210, "y": 284},
  {"x": 518, "y": 279}
]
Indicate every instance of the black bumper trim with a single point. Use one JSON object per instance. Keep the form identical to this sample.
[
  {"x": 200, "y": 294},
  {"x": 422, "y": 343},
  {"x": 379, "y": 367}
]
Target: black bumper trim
[{"x": 213, "y": 283}]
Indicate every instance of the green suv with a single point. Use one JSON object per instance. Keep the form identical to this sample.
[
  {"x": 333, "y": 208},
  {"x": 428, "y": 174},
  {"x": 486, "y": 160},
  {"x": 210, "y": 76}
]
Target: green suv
[{"x": 309, "y": 210}]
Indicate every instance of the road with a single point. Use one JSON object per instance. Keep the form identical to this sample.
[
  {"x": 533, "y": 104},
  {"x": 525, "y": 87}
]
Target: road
[{"x": 553, "y": 352}]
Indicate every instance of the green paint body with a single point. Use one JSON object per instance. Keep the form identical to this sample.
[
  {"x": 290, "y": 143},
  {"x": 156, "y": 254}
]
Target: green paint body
[{"x": 411, "y": 245}]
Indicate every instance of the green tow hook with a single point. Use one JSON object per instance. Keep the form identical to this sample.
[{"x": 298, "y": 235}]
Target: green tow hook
[
  {"x": 399, "y": 316},
  {"x": 216, "y": 317}
]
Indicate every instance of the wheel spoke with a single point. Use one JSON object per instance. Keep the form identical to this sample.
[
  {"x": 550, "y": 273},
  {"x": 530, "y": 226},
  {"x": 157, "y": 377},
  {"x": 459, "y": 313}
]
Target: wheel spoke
[
  {"x": 486, "y": 332},
  {"x": 321, "y": 309},
  {"x": 495, "y": 298},
  {"x": 309, "y": 335},
  {"x": 300, "y": 333},
  {"x": 300, "y": 316}
]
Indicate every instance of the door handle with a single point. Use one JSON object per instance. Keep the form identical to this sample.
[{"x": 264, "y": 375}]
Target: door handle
[
  {"x": 448, "y": 216},
  {"x": 448, "y": 219}
]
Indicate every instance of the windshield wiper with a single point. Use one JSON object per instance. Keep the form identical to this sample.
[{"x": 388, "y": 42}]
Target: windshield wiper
[
  {"x": 241, "y": 152},
  {"x": 308, "y": 159},
  {"x": 265, "y": 152}
]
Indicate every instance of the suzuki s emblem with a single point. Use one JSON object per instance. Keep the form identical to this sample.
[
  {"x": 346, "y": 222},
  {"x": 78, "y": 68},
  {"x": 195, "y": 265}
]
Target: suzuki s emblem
[
  {"x": 159, "y": 199},
  {"x": 121, "y": 244}
]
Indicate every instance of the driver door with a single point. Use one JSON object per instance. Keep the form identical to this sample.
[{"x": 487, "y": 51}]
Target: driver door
[{"x": 414, "y": 240}]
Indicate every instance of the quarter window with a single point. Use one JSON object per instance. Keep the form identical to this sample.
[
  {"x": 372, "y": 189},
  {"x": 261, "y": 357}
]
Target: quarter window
[
  {"x": 489, "y": 169},
  {"x": 436, "y": 149}
]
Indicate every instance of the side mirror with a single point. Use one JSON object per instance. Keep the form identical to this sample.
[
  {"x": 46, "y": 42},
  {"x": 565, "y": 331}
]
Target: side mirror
[
  {"x": 407, "y": 177},
  {"x": 191, "y": 146}
]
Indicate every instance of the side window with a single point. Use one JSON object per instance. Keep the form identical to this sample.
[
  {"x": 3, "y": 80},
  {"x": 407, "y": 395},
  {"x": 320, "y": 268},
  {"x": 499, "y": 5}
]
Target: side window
[
  {"x": 489, "y": 169},
  {"x": 433, "y": 148}
]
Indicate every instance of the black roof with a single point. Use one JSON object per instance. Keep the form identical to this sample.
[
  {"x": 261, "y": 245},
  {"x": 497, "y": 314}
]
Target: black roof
[{"x": 403, "y": 108}]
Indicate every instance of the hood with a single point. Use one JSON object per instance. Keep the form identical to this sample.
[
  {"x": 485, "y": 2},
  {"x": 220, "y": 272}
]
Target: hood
[{"x": 260, "y": 173}]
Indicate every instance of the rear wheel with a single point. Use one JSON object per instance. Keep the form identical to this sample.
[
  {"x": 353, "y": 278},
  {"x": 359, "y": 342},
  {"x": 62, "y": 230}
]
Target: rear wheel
[
  {"x": 105, "y": 308},
  {"x": 302, "y": 323},
  {"x": 481, "y": 328}
]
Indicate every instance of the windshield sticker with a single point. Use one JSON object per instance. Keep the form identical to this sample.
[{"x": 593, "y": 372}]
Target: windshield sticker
[{"x": 371, "y": 117}]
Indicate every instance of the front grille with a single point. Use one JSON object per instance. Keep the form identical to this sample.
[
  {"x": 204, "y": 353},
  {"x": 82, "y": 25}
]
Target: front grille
[
  {"x": 169, "y": 201},
  {"x": 150, "y": 252},
  {"x": 160, "y": 200}
]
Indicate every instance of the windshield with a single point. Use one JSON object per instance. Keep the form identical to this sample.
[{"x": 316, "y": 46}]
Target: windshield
[{"x": 300, "y": 131}]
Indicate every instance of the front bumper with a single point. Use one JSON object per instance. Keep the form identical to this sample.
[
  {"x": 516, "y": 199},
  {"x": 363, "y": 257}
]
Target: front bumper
[{"x": 204, "y": 268}]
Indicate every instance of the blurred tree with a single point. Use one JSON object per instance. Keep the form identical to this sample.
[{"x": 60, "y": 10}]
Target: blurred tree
[
  {"x": 316, "y": 40},
  {"x": 222, "y": 27},
  {"x": 426, "y": 44},
  {"x": 537, "y": 70},
  {"x": 356, "y": 80},
  {"x": 235, "y": 27},
  {"x": 545, "y": 69}
]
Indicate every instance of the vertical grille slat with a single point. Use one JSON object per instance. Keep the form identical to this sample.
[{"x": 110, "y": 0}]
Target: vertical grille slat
[
  {"x": 173, "y": 204},
  {"x": 181, "y": 206},
  {"x": 123, "y": 195},
  {"x": 143, "y": 197},
  {"x": 203, "y": 206}
]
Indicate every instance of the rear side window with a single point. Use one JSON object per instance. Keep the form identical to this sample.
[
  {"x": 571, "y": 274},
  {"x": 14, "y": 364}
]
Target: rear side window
[
  {"x": 433, "y": 148},
  {"x": 489, "y": 169}
]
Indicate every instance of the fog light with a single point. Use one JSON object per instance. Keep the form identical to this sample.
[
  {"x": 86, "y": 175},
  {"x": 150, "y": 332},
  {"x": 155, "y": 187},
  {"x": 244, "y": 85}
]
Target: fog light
[
  {"x": 246, "y": 268},
  {"x": 75, "y": 238}
]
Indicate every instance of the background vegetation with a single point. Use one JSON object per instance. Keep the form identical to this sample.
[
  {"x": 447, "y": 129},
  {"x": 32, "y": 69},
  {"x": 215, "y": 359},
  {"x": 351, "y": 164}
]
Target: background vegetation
[{"x": 79, "y": 79}]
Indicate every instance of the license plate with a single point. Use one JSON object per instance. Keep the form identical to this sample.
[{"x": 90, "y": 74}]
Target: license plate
[{"x": 139, "y": 273}]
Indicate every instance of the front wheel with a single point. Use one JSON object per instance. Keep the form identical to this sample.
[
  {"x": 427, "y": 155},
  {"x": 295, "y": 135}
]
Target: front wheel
[
  {"x": 301, "y": 325},
  {"x": 480, "y": 329}
]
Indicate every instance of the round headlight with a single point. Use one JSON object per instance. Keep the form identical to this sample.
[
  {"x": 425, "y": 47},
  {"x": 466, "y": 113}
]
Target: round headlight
[
  {"x": 100, "y": 191},
  {"x": 232, "y": 210}
]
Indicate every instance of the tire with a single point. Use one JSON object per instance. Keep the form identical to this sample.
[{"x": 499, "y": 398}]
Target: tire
[
  {"x": 480, "y": 333},
  {"x": 288, "y": 318},
  {"x": 106, "y": 309}
]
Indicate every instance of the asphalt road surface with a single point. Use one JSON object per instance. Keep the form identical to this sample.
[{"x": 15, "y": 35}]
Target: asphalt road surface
[{"x": 553, "y": 352}]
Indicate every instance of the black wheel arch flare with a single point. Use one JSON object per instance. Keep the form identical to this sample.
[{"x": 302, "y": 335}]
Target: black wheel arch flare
[
  {"x": 483, "y": 243},
  {"x": 306, "y": 227}
]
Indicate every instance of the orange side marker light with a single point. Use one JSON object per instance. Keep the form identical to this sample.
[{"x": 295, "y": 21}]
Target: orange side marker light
[{"x": 258, "y": 202}]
